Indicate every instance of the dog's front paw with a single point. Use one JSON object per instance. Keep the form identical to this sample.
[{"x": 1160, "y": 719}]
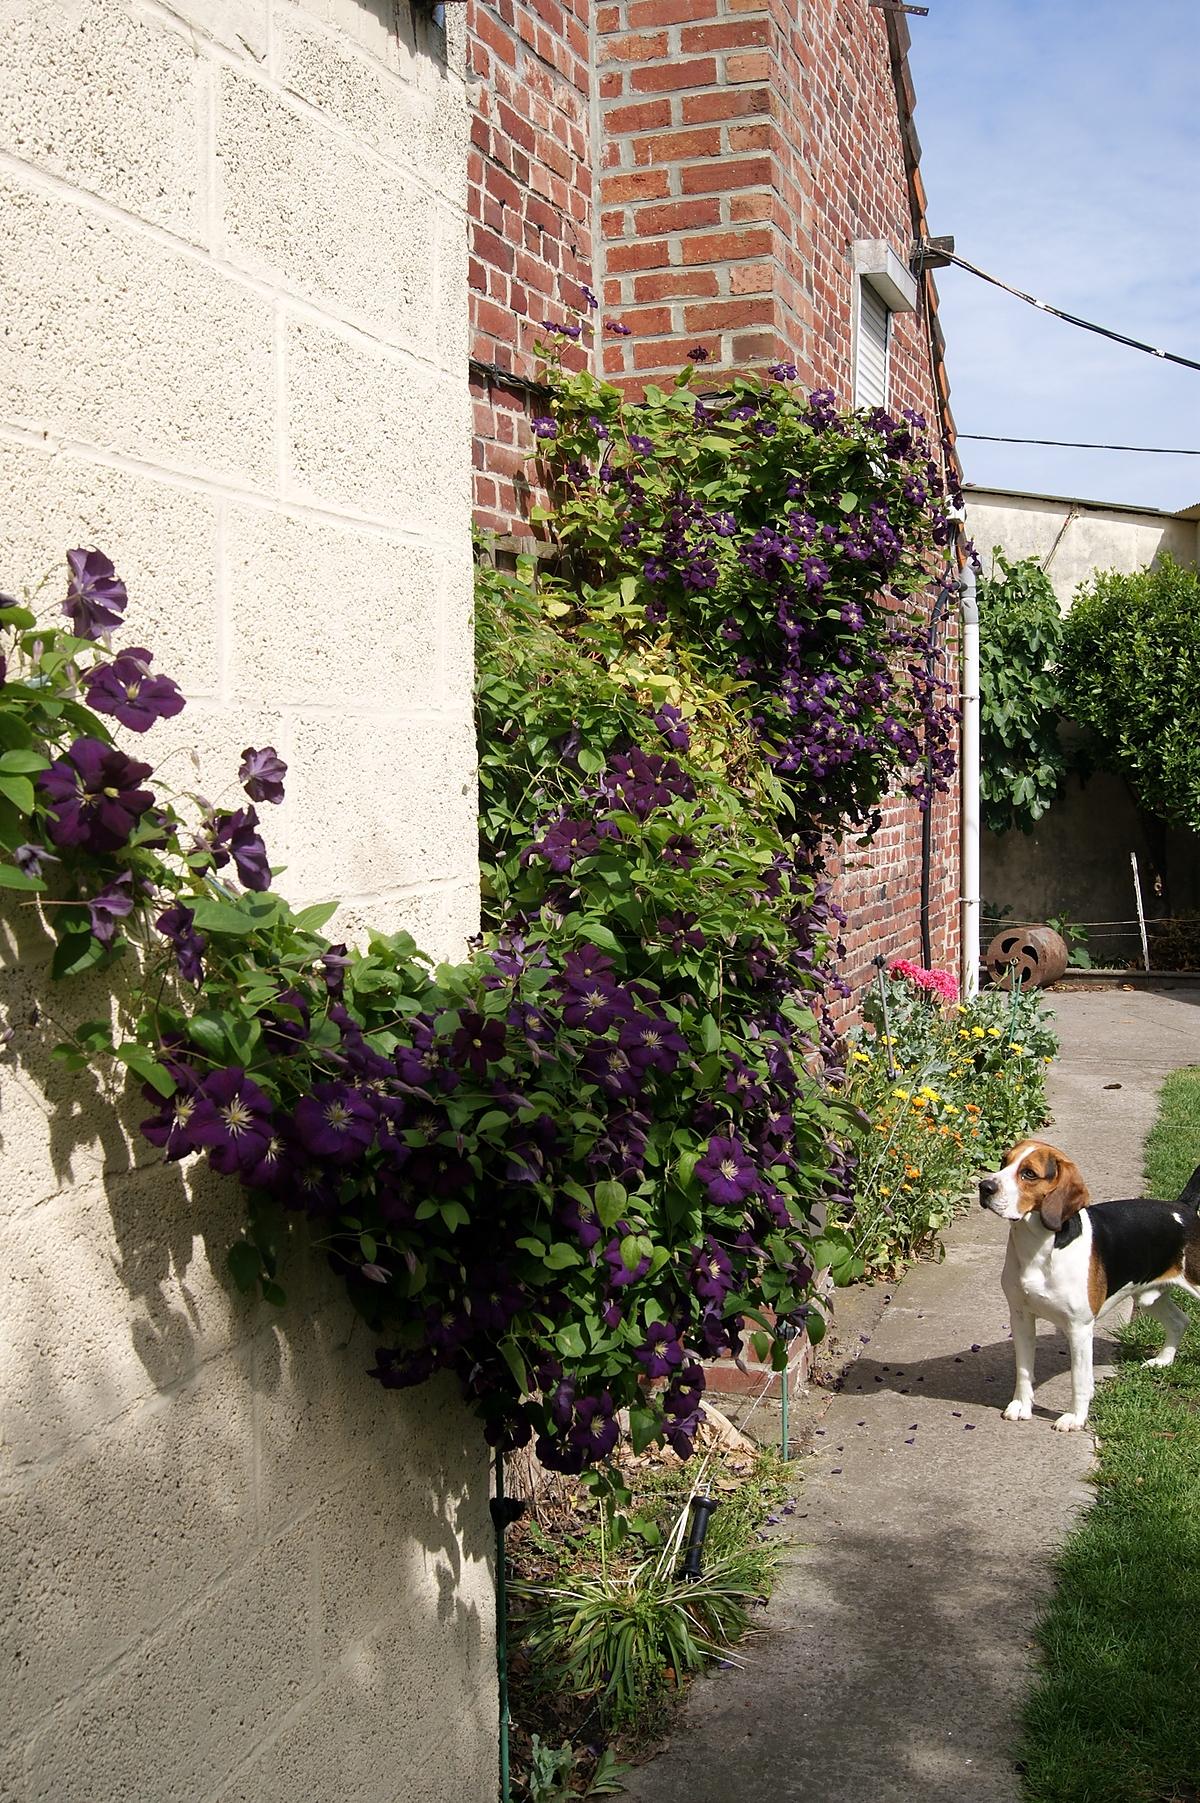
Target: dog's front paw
[
  {"x": 1069, "y": 1424},
  {"x": 1165, "y": 1357},
  {"x": 1018, "y": 1410}
]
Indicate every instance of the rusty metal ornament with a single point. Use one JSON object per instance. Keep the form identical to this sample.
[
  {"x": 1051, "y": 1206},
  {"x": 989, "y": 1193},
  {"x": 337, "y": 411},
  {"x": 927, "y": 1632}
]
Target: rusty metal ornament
[{"x": 1037, "y": 956}]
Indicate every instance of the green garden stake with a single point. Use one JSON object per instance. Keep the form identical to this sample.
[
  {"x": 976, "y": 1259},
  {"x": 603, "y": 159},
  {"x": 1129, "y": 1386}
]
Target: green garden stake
[
  {"x": 880, "y": 964},
  {"x": 505, "y": 1510},
  {"x": 785, "y": 1331}
]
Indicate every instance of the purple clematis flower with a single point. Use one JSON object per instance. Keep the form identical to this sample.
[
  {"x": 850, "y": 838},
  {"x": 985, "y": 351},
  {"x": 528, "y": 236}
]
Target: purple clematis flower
[
  {"x": 477, "y": 1043},
  {"x": 726, "y": 1171},
  {"x": 335, "y": 962},
  {"x": 261, "y": 774},
  {"x": 96, "y": 597},
  {"x": 670, "y": 723},
  {"x": 596, "y": 1430},
  {"x": 712, "y": 1272},
  {"x": 652, "y": 1043},
  {"x": 660, "y": 1353},
  {"x": 236, "y": 836},
  {"x": 571, "y": 1216},
  {"x": 335, "y": 1122},
  {"x": 126, "y": 690},
  {"x": 114, "y": 903},
  {"x": 177, "y": 925},
  {"x": 232, "y": 1120},
  {"x": 173, "y": 1127},
  {"x": 619, "y": 1274},
  {"x": 95, "y": 802},
  {"x": 30, "y": 859}
]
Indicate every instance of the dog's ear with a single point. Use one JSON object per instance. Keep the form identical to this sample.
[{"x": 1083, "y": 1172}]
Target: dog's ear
[{"x": 1068, "y": 1196}]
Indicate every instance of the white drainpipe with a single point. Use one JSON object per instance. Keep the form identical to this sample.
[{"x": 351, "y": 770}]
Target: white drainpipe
[{"x": 970, "y": 780}]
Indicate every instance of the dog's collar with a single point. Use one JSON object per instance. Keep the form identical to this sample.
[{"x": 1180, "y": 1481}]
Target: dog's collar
[{"x": 1070, "y": 1230}]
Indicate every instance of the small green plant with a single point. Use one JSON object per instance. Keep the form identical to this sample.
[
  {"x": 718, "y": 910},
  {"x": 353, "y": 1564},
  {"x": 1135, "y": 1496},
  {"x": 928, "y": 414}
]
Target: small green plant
[
  {"x": 1020, "y": 635},
  {"x": 1075, "y": 938},
  {"x": 553, "y": 1771},
  {"x": 549, "y": 1770},
  {"x": 627, "y": 1636}
]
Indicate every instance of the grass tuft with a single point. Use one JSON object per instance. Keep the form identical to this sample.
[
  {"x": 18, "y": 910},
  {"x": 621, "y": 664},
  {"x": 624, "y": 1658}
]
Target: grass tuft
[{"x": 1115, "y": 1714}]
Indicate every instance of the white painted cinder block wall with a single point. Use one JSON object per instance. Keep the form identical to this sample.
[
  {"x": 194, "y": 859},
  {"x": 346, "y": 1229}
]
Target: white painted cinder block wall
[{"x": 233, "y": 343}]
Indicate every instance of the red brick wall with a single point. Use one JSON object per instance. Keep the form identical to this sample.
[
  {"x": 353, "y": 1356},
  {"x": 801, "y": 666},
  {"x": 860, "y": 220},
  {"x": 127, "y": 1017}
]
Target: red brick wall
[
  {"x": 530, "y": 200},
  {"x": 705, "y": 166}
]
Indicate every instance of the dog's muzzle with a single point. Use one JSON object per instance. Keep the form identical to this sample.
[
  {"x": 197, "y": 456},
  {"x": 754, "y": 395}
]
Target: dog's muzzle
[{"x": 988, "y": 1189}]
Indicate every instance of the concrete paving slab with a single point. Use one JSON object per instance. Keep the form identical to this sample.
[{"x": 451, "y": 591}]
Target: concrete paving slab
[{"x": 896, "y": 1650}]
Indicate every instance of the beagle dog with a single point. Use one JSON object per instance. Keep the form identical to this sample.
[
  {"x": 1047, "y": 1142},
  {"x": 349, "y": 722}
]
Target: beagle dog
[{"x": 1070, "y": 1260}]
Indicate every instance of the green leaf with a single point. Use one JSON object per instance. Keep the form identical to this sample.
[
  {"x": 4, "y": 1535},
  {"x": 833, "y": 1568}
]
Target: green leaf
[
  {"x": 644, "y": 1427},
  {"x": 18, "y": 790},
  {"x": 22, "y": 763},
  {"x": 510, "y": 1352},
  {"x": 312, "y": 919},
  {"x": 600, "y": 935},
  {"x": 208, "y": 1032},
  {"x": 245, "y": 1264},
  {"x": 212, "y": 916},
  {"x": 611, "y": 1198},
  {"x": 560, "y": 1257},
  {"x": 569, "y": 1341},
  {"x": 12, "y": 878},
  {"x": 143, "y": 1064}
]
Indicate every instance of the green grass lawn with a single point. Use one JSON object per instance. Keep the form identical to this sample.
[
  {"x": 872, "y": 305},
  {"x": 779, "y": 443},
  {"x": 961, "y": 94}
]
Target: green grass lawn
[{"x": 1115, "y": 1713}]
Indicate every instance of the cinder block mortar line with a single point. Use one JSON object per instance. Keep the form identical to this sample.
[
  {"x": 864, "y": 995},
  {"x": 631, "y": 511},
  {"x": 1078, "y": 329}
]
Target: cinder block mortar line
[
  {"x": 325, "y": 1675},
  {"x": 346, "y": 326},
  {"x": 443, "y": 886},
  {"x": 221, "y": 488},
  {"x": 213, "y": 1588},
  {"x": 64, "y": 1451},
  {"x": 215, "y": 52}
]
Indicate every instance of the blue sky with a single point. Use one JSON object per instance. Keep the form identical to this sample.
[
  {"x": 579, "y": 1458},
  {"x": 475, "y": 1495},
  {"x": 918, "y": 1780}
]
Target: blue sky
[{"x": 1061, "y": 147}]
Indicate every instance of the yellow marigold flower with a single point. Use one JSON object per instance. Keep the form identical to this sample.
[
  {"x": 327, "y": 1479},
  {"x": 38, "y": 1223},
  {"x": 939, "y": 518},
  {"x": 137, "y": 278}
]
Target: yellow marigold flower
[
  {"x": 931, "y": 1095},
  {"x": 912, "y": 1170},
  {"x": 885, "y": 1192},
  {"x": 888, "y": 1038},
  {"x": 918, "y": 1102},
  {"x": 978, "y": 1033},
  {"x": 951, "y": 1108},
  {"x": 960, "y": 1009},
  {"x": 860, "y": 1057},
  {"x": 993, "y": 1033},
  {"x": 901, "y": 1094},
  {"x": 1019, "y": 1049}
]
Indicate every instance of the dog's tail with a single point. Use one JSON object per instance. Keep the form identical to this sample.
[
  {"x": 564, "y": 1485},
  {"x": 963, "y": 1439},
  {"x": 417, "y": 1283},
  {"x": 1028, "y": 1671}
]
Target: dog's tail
[{"x": 1190, "y": 1193}]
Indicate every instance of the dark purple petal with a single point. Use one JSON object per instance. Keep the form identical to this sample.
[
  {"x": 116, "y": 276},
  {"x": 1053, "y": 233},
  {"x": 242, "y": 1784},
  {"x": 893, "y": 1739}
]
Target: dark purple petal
[
  {"x": 261, "y": 774},
  {"x": 96, "y": 597}
]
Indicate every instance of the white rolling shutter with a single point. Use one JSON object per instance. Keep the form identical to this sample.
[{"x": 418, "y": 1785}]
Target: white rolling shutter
[{"x": 871, "y": 349}]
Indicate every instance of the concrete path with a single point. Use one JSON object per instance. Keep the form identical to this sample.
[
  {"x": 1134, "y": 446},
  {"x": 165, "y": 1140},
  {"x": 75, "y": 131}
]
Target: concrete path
[{"x": 894, "y": 1657}]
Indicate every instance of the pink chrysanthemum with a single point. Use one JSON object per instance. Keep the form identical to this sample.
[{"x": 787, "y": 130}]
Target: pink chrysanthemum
[{"x": 937, "y": 982}]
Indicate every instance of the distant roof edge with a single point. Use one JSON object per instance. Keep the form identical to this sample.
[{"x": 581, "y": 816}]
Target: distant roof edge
[{"x": 1038, "y": 494}]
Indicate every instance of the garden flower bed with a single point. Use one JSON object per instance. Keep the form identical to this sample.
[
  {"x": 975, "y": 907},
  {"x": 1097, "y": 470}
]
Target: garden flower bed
[{"x": 944, "y": 1086}]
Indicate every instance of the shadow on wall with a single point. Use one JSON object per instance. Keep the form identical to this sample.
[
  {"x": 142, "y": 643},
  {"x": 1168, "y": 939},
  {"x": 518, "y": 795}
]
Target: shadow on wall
[
  {"x": 229, "y": 1558},
  {"x": 1076, "y": 863}
]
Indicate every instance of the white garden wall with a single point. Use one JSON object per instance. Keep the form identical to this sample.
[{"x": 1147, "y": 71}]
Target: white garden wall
[{"x": 233, "y": 342}]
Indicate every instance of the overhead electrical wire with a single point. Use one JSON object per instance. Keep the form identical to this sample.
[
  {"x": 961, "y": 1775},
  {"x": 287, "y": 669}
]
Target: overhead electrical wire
[
  {"x": 1075, "y": 444},
  {"x": 1072, "y": 319}
]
